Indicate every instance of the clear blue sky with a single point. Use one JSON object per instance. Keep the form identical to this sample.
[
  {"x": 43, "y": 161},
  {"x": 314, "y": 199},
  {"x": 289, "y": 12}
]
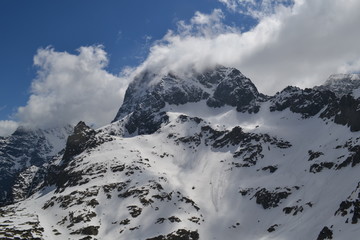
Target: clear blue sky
[{"x": 121, "y": 26}]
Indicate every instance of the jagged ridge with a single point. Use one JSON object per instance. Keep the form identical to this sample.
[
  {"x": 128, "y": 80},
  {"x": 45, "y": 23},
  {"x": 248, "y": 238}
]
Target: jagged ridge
[{"x": 183, "y": 160}]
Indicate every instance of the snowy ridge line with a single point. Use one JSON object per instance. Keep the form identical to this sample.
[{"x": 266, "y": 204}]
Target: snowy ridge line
[{"x": 205, "y": 158}]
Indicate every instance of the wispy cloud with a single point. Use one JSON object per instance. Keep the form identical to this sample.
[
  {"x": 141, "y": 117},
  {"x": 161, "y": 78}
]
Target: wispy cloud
[{"x": 256, "y": 8}]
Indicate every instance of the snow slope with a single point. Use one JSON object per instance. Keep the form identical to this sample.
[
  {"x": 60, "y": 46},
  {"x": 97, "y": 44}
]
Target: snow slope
[{"x": 284, "y": 172}]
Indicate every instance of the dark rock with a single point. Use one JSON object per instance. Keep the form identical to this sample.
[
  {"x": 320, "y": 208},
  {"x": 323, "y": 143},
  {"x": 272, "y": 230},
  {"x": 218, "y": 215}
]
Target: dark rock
[
  {"x": 117, "y": 168},
  {"x": 296, "y": 209},
  {"x": 194, "y": 220},
  {"x": 307, "y": 102},
  {"x": 160, "y": 220},
  {"x": 174, "y": 219},
  {"x": 249, "y": 144},
  {"x": 82, "y": 139},
  {"x": 353, "y": 159},
  {"x": 315, "y": 168},
  {"x": 349, "y": 113},
  {"x": 272, "y": 169},
  {"x": 177, "y": 95},
  {"x": 134, "y": 211},
  {"x": 313, "y": 155},
  {"x": 181, "y": 234},
  {"x": 325, "y": 233},
  {"x": 192, "y": 140},
  {"x": 90, "y": 230},
  {"x": 125, "y": 222},
  {"x": 350, "y": 207},
  {"x": 237, "y": 90},
  {"x": 234, "y": 137},
  {"x": 86, "y": 238},
  {"x": 272, "y": 228},
  {"x": 270, "y": 199},
  {"x": 134, "y": 228},
  {"x": 93, "y": 203},
  {"x": 190, "y": 201},
  {"x": 134, "y": 192}
]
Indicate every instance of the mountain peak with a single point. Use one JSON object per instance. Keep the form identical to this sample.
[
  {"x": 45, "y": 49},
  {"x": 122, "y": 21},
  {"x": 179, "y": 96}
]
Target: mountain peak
[
  {"x": 148, "y": 94},
  {"x": 341, "y": 84}
]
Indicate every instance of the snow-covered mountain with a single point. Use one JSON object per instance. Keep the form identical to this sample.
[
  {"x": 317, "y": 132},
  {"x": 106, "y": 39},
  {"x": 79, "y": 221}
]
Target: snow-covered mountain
[
  {"x": 21, "y": 157},
  {"x": 341, "y": 84},
  {"x": 143, "y": 110},
  {"x": 204, "y": 156}
]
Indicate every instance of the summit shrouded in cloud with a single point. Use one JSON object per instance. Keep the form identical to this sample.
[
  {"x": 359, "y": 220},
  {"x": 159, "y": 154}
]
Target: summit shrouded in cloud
[
  {"x": 299, "y": 42},
  {"x": 294, "y": 44}
]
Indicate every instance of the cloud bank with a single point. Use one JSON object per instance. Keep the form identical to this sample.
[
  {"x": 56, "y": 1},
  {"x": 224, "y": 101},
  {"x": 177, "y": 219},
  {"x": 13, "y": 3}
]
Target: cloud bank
[
  {"x": 70, "y": 88},
  {"x": 295, "y": 42},
  {"x": 298, "y": 42}
]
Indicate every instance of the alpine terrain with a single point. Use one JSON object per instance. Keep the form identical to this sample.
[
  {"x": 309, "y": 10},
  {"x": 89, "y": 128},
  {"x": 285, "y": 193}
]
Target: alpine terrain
[{"x": 193, "y": 156}]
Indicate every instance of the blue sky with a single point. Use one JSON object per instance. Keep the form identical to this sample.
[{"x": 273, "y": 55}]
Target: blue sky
[
  {"x": 125, "y": 28},
  {"x": 80, "y": 77}
]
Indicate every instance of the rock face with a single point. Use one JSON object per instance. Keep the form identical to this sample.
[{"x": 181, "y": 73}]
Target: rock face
[
  {"x": 149, "y": 93},
  {"x": 82, "y": 138},
  {"x": 349, "y": 112},
  {"x": 238, "y": 91},
  {"x": 198, "y": 156},
  {"x": 307, "y": 102},
  {"x": 325, "y": 233},
  {"x": 24, "y": 150}
]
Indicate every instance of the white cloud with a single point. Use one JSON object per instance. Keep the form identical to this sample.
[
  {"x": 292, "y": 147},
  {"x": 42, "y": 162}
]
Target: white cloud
[
  {"x": 299, "y": 44},
  {"x": 70, "y": 88},
  {"x": 7, "y": 127},
  {"x": 203, "y": 25},
  {"x": 350, "y": 67},
  {"x": 256, "y": 8},
  {"x": 231, "y": 4}
]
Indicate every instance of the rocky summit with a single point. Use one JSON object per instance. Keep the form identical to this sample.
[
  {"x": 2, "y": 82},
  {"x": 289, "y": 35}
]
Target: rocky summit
[{"x": 194, "y": 156}]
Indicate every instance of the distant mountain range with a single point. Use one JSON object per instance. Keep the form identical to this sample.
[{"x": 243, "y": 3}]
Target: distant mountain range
[{"x": 193, "y": 156}]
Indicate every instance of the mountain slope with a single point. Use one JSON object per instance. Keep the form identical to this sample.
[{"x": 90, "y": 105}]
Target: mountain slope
[
  {"x": 281, "y": 167},
  {"x": 26, "y": 150}
]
